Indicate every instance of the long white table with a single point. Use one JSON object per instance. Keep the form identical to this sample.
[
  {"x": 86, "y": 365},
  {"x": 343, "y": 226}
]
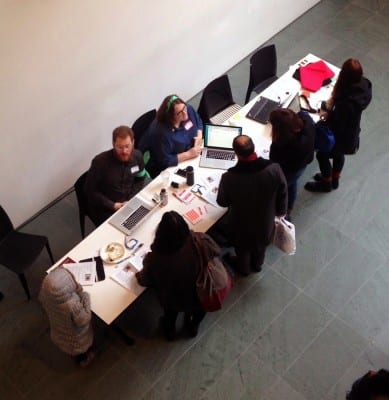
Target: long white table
[{"x": 108, "y": 298}]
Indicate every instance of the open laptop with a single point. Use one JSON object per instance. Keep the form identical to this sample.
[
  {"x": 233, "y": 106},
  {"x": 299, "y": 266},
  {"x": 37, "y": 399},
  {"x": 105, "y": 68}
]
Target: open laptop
[
  {"x": 130, "y": 215},
  {"x": 261, "y": 110},
  {"x": 218, "y": 152}
]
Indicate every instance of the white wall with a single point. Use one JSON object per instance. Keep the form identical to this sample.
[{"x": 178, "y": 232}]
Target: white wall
[{"x": 73, "y": 70}]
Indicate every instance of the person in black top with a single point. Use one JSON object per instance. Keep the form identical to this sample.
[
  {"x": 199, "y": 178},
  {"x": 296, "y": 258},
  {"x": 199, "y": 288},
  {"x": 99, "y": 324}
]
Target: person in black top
[
  {"x": 292, "y": 147},
  {"x": 351, "y": 95},
  {"x": 255, "y": 192},
  {"x": 115, "y": 176}
]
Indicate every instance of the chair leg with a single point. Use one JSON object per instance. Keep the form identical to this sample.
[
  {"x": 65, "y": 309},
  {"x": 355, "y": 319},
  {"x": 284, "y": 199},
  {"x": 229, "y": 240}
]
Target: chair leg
[
  {"x": 49, "y": 251},
  {"x": 23, "y": 280}
]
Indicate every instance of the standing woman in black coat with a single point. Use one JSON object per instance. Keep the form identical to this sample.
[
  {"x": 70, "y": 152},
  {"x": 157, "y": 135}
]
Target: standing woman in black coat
[
  {"x": 293, "y": 137},
  {"x": 351, "y": 95}
]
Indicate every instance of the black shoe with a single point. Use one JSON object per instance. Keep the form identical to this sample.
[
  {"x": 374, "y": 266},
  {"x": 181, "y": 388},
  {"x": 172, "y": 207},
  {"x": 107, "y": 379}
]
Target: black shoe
[
  {"x": 318, "y": 177},
  {"x": 168, "y": 331},
  {"x": 335, "y": 181},
  {"x": 1, "y": 296},
  {"x": 321, "y": 186},
  {"x": 257, "y": 268},
  {"x": 190, "y": 327}
]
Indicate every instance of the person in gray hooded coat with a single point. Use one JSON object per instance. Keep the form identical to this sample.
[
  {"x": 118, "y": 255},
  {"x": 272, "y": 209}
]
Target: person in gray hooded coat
[{"x": 69, "y": 312}]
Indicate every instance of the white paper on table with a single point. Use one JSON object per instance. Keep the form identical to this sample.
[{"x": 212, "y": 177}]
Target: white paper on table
[
  {"x": 210, "y": 187},
  {"x": 84, "y": 273},
  {"x": 137, "y": 260},
  {"x": 125, "y": 277}
]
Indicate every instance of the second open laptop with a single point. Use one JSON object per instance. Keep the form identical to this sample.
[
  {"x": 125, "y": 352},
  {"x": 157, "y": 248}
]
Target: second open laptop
[
  {"x": 218, "y": 152},
  {"x": 261, "y": 110},
  {"x": 131, "y": 214}
]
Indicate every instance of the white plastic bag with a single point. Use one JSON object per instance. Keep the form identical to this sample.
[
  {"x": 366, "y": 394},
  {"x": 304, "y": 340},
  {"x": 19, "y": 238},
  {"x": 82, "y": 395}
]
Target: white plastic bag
[{"x": 284, "y": 235}]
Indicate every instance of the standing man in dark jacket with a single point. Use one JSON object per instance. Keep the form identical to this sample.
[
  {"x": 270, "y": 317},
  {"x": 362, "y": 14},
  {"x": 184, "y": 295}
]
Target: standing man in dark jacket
[
  {"x": 115, "y": 176},
  {"x": 351, "y": 95},
  {"x": 255, "y": 191}
]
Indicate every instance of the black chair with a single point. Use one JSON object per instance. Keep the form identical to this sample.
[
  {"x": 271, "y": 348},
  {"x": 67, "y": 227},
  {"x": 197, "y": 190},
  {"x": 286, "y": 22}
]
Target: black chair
[
  {"x": 82, "y": 201},
  {"x": 263, "y": 70},
  {"x": 19, "y": 250},
  {"x": 216, "y": 104},
  {"x": 141, "y": 125}
]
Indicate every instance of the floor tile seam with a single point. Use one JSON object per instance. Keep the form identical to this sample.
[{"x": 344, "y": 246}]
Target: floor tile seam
[
  {"x": 320, "y": 331},
  {"x": 336, "y": 313},
  {"x": 250, "y": 343},
  {"x": 358, "y": 231},
  {"x": 234, "y": 339},
  {"x": 348, "y": 369},
  {"x": 102, "y": 377},
  {"x": 245, "y": 351},
  {"x": 198, "y": 338},
  {"x": 363, "y": 285}
]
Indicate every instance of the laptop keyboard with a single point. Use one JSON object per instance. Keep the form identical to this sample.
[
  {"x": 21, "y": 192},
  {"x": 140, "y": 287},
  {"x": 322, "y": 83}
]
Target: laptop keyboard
[
  {"x": 220, "y": 155},
  {"x": 135, "y": 217}
]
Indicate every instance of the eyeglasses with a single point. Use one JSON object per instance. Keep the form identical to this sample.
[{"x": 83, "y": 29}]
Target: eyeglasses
[{"x": 182, "y": 111}]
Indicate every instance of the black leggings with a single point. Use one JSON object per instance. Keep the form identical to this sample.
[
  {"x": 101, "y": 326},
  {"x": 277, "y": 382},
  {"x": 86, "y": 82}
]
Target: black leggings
[{"x": 327, "y": 170}]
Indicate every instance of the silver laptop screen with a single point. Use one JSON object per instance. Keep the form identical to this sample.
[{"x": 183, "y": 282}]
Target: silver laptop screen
[{"x": 220, "y": 136}]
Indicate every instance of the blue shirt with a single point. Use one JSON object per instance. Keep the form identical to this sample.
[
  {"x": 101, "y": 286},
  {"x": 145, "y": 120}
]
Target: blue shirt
[{"x": 164, "y": 142}]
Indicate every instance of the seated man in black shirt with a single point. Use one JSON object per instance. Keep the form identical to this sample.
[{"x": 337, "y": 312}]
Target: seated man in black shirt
[{"x": 115, "y": 176}]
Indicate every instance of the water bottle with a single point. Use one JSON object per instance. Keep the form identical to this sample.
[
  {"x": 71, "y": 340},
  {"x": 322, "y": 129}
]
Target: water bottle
[
  {"x": 189, "y": 176},
  {"x": 163, "y": 197}
]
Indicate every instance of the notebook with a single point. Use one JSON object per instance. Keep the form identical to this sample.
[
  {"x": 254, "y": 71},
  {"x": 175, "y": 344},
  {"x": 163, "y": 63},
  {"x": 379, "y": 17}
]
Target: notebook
[
  {"x": 218, "y": 152},
  {"x": 131, "y": 214},
  {"x": 261, "y": 110}
]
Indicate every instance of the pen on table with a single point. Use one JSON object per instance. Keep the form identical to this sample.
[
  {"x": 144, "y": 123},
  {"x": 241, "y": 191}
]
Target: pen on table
[{"x": 137, "y": 248}]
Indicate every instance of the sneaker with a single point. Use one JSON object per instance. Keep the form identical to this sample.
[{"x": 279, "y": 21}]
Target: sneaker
[{"x": 321, "y": 186}]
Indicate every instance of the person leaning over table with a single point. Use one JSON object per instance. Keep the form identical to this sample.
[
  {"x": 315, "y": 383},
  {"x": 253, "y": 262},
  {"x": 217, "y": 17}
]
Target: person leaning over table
[
  {"x": 293, "y": 139},
  {"x": 115, "y": 176},
  {"x": 255, "y": 191},
  {"x": 352, "y": 93},
  {"x": 172, "y": 268},
  {"x": 174, "y": 136},
  {"x": 69, "y": 312}
]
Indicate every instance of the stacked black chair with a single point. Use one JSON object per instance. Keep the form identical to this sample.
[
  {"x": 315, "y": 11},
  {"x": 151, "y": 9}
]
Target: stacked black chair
[
  {"x": 216, "y": 104},
  {"x": 18, "y": 250},
  {"x": 263, "y": 70}
]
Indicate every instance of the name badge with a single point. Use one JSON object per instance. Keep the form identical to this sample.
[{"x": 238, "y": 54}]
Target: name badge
[
  {"x": 188, "y": 125},
  {"x": 135, "y": 169}
]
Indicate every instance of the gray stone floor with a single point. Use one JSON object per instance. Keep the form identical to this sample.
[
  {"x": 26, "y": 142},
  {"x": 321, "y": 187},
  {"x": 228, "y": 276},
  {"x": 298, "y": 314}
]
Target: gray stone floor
[{"x": 304, "y": 328}]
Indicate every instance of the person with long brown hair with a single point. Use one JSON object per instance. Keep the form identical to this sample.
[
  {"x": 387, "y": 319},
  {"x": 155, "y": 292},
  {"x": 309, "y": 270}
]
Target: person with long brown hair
[
  {"x": 351, "y": 95},
  {"x": 292, "y": 147}
]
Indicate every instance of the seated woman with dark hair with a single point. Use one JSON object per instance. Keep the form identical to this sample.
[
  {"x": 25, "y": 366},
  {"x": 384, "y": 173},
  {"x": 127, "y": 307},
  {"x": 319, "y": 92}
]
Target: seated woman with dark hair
[
  {"x": 293, "y": 137},
  {"x": 174, "y": 136},
  {"x": 172, "y": 268}
]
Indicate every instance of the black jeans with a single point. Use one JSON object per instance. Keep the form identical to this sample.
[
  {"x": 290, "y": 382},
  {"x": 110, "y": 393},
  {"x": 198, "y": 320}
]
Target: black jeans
[{"x": 326, "y": 169}]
